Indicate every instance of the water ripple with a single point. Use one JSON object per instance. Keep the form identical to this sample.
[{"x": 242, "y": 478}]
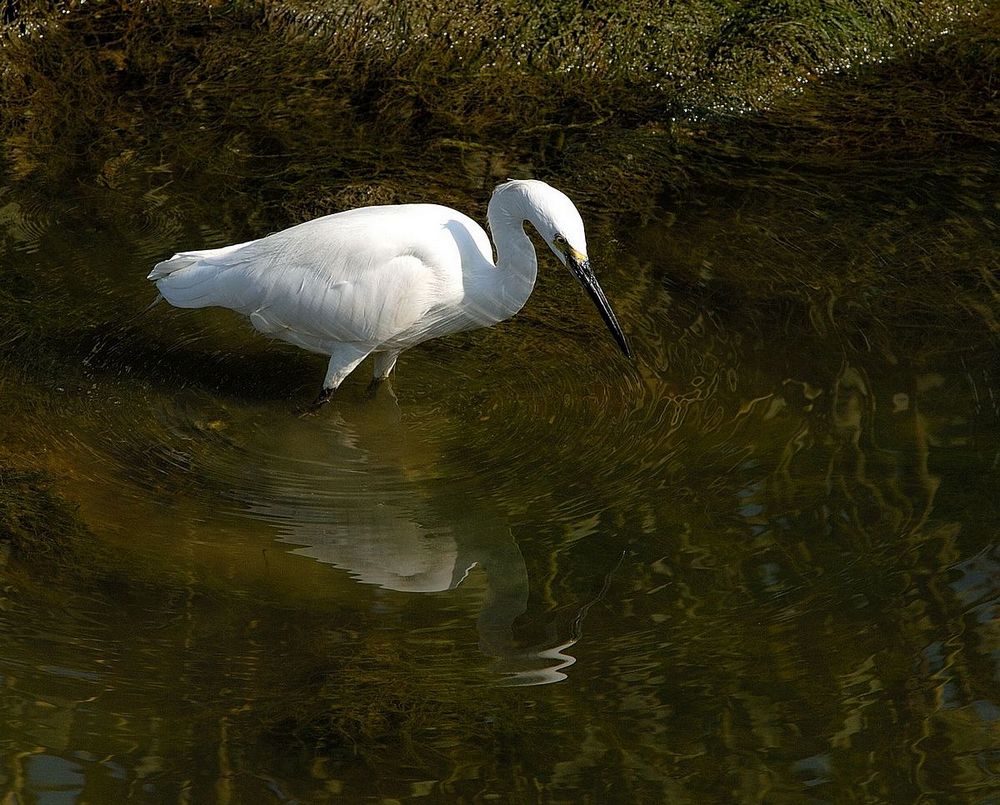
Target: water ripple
[{"x": 25, "y": 222}]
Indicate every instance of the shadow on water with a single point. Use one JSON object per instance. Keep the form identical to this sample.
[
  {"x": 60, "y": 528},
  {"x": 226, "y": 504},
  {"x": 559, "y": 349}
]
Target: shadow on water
[{"x": 760, "y": 561}]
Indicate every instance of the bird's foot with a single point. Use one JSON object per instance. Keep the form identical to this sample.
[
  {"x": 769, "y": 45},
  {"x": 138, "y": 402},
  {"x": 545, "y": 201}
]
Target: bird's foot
[
  {"x": 322, "y": 399},
  {"x": 375, "y": 385}
]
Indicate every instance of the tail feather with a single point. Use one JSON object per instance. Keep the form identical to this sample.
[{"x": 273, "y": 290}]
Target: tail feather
[
  {"x": 191, "y": 279},
  {"x": 167, "y": 267}
]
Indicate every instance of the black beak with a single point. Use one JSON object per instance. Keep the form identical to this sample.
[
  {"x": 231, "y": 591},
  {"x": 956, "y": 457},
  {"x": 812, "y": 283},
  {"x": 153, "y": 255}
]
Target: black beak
[{"x": 583, "y": 272}]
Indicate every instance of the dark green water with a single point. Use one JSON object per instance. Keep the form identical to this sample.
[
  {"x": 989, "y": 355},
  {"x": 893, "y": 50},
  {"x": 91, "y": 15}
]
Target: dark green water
[{"x": 757, "y": 564}]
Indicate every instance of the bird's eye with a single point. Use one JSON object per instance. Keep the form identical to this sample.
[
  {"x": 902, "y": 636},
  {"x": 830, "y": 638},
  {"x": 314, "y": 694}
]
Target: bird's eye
[{"x": 559, "y": 240}]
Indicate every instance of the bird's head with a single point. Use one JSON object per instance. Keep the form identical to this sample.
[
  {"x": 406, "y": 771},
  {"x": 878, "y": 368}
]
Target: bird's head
[{"x": 559, "y": 223}]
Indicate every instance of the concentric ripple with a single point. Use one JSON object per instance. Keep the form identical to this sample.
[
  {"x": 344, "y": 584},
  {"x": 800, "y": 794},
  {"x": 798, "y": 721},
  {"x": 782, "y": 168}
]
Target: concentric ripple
[{"x": 24, "y": 222}]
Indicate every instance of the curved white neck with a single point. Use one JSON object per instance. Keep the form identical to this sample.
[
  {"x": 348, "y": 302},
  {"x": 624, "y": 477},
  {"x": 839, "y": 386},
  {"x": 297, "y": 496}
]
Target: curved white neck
[{"x": 516, "y": 262}]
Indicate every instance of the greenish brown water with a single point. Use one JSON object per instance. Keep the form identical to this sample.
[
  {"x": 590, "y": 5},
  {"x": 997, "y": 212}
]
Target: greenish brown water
[{"x": 757, "y": 564}]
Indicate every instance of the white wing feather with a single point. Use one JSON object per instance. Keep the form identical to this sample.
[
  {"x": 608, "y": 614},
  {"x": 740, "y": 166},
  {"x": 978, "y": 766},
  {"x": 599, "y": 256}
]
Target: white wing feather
[{"x": 377, "y": 276}]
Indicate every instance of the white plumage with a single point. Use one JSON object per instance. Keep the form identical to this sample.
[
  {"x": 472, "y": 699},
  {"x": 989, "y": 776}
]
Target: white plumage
[{"x": 382, "y": 279}]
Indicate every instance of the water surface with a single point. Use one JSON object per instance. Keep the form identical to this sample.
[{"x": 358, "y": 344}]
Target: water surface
[{"x": 757, "y": 564}]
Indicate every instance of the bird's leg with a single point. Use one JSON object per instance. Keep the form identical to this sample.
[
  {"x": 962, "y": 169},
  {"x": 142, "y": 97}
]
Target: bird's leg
[
  {"x": 343, "y": 361},
  {"x": 384, "y": 363}
]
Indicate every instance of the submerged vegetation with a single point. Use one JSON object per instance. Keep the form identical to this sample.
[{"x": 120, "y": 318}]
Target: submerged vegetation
[{"x": 36, "y": 525}]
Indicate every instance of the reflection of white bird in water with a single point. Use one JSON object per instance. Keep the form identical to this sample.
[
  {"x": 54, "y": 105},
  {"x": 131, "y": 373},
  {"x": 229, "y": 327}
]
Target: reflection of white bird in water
[{"x": 382, "y": 279}]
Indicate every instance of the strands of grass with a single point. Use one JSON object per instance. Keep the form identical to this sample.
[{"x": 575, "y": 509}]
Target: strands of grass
[{"x": 93, "y": 72}]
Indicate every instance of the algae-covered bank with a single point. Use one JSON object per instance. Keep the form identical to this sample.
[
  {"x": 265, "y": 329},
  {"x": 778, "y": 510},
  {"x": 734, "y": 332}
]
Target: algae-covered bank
[{"x": 758, "y": 563}]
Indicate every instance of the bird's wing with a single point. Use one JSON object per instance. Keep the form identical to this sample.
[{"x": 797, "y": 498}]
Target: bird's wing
[{"x": 364, "y": 276}]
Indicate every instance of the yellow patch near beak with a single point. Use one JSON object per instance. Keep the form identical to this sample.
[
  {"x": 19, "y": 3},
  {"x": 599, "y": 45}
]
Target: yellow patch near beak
[{"x": 577, "y": 257}]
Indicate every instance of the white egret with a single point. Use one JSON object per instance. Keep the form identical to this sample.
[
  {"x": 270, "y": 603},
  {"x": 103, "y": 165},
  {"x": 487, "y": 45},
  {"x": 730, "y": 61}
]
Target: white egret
[{"x": 378, "y": 280}]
